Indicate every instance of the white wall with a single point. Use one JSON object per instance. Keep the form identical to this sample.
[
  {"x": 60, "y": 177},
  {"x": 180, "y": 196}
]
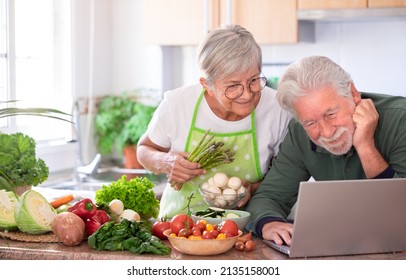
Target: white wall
[
  {"x": 110, "y": 56},
  {"x": 111, "y": 39},
  {"x": 373, "y": 52},
  {"x": 134, "y": 64}
]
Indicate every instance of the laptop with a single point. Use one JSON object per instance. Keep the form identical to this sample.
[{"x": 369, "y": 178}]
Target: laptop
[{"x": 348, "y": 218}]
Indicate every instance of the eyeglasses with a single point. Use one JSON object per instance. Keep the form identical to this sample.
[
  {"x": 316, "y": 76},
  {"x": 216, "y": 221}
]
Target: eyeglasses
[{"x": 255, "y": 86}]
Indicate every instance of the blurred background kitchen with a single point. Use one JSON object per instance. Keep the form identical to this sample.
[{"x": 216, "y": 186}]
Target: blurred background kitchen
[{"x": 69, "y": 54}]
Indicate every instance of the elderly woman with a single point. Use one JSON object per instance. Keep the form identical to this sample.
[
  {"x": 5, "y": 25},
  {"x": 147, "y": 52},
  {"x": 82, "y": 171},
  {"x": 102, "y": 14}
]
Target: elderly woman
[{"x": 233, "y": 102}]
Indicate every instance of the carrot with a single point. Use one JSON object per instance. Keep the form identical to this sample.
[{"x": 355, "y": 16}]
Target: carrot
[{"x": 61, "y": 200}]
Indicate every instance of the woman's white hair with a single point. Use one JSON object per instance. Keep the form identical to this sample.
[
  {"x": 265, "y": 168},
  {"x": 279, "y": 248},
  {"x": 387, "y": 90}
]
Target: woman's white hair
[{"x": 227, "y": 51}]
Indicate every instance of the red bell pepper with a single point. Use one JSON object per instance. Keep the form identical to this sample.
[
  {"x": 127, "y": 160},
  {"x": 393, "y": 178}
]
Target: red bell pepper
[
  {"x": 91, "y": 225},
  {"x": 99, "y": 218},
  {"x": 84, "y": 208}
]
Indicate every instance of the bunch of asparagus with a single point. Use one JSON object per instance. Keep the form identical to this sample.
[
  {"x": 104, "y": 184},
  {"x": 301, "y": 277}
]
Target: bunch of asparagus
[{"x": 209, "y": 154}]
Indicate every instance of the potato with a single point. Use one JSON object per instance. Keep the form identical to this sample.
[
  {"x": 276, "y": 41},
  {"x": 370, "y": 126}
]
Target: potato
[{"x": 69, "y": 228}]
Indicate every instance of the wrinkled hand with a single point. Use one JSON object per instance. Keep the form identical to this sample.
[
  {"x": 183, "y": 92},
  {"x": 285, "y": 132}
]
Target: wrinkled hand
[
  {"x": 365, "y": 119},
  {"x": 251, "y": 188},
  {"x": 279, "y": 232},
  {"x": 181, "y": 170}
]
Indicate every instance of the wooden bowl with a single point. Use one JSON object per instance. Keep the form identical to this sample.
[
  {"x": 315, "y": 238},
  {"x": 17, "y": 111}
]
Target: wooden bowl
[{"x": 204, "y": 247}]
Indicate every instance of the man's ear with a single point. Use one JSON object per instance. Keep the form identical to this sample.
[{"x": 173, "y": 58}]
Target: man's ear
[{"x": 355, "y": 94}]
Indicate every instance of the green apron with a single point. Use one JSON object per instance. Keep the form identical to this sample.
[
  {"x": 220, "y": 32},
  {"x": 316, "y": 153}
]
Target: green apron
[{"x": 245, "y": 165}]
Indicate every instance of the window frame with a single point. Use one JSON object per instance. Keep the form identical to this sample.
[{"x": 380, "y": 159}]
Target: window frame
[{"x": 50, "y": 149}]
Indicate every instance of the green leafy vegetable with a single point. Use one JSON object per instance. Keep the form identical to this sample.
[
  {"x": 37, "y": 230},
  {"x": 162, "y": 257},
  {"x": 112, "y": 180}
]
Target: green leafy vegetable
[
  {"x": 136, "y": 194},
  {"x": 8, "y": 202},
  {"x": 34, "y": 214},
  {"x": 19, "y": 164},
  {"x": 127, "y": 235}
]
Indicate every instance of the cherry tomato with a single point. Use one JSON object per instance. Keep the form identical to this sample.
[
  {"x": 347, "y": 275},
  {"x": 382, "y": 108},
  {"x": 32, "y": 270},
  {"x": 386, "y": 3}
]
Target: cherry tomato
[
  {"x": 229, "y": 228},
  {"x": 214, "y": 232},
  {"x": 181, "y": 221},
  {"x": 184, "y": 232},
  {"x": 201, "y": 224},
  {"x": 209, "y": 227},
  {"x": 196, "y": 231},
  {"x": 159, "y": 227},
  {"x": 207, "y": 235},
  {"x": 194, "y": 237},
  {"x": 221, "y": 236}
]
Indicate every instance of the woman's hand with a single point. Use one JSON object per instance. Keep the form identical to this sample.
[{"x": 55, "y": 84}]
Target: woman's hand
[
  {"x": 279, "y": 232},
  {"x": 159, "y": 160},
  {"x": 179, "y": 169},
  {"x": 251, "y": 188}
]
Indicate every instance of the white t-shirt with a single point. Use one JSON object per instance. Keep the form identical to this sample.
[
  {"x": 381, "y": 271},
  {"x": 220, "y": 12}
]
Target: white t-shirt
[{"x": 170, "y": 125}]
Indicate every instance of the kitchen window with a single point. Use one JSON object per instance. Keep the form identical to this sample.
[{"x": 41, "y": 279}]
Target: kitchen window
[{"x": 35, "y": 64}]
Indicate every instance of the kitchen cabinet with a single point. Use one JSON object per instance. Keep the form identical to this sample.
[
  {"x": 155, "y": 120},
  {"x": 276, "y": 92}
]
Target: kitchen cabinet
[
  {"x": 185, "y": 22},
  {"x": 331, "y": 4},
  {"x": 386, "y": 3},
  {"x": 270, "y": 21},
  {"x": 348, "y": 4},
  {"x": 178, "y": 22},
  {"x": 337, "y": 10}
]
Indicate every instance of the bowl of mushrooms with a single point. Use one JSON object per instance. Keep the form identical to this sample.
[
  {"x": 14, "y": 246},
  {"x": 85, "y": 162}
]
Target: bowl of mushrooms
[{"x": 223, "y": 191}]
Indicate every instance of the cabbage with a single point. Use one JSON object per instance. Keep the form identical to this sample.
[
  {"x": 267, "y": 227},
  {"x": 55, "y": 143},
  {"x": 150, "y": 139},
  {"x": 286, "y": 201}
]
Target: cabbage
[
  {"x": 34, "y": 214},
  {"x": 8, "y": 201}
]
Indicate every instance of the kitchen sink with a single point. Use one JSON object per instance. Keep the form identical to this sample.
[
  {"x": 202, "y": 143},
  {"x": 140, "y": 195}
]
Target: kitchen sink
[{"x": 104, "y": 176}]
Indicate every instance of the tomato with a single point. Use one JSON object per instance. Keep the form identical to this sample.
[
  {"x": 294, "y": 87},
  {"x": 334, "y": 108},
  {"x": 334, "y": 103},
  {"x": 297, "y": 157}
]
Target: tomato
[
  {"x": 194, "y": 237},
  {"x": 196, "y": 231},
  {"x": 201, "y": 224},
  {"x": 221, "y": 236},
  {"x": 181, "y": 221},
  {"x": 159, "y": 227},
  {"x": 214, "y": 232},
  {"x": 184, "y": 232},
  {"x": 209, "y": 227},
  {"x": 229, "y": 228},
  {"x": 207, "y": 235}
]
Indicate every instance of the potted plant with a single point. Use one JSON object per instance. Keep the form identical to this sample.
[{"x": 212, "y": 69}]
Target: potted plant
[
  {"x": 19, "y": 167},
  {"x": 120, "y": 121}
]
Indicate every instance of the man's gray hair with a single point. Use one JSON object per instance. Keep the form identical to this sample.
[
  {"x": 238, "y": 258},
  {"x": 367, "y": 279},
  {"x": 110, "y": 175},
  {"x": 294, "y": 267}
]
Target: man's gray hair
[{"x": 309, "y": 74}]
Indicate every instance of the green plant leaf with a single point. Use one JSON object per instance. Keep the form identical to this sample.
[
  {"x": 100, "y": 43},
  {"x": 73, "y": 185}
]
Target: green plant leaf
[
  {"x": 120, "y": 121},
  {"x": 41, "y": 112}
]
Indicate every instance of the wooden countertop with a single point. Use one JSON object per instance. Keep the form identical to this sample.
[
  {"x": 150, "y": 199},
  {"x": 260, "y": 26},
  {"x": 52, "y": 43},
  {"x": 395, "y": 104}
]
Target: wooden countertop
[{"x": 18, "y": 250}]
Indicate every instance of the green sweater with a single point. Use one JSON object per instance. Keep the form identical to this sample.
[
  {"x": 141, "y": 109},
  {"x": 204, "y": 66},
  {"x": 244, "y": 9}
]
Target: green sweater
[{"x": 299, "y": 159}]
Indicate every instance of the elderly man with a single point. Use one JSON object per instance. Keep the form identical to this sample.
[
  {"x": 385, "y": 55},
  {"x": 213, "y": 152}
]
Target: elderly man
[{"x": 338, "y": 134}]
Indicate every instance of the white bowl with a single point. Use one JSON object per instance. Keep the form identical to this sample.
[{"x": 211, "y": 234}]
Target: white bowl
[
  {"x": 225, "y": 201},
  {"x": 241, "y": 221}
]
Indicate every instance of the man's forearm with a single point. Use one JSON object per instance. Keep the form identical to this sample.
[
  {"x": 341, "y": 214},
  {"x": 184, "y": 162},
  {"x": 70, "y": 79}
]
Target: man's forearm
[{"x": 372, "y": 161}]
